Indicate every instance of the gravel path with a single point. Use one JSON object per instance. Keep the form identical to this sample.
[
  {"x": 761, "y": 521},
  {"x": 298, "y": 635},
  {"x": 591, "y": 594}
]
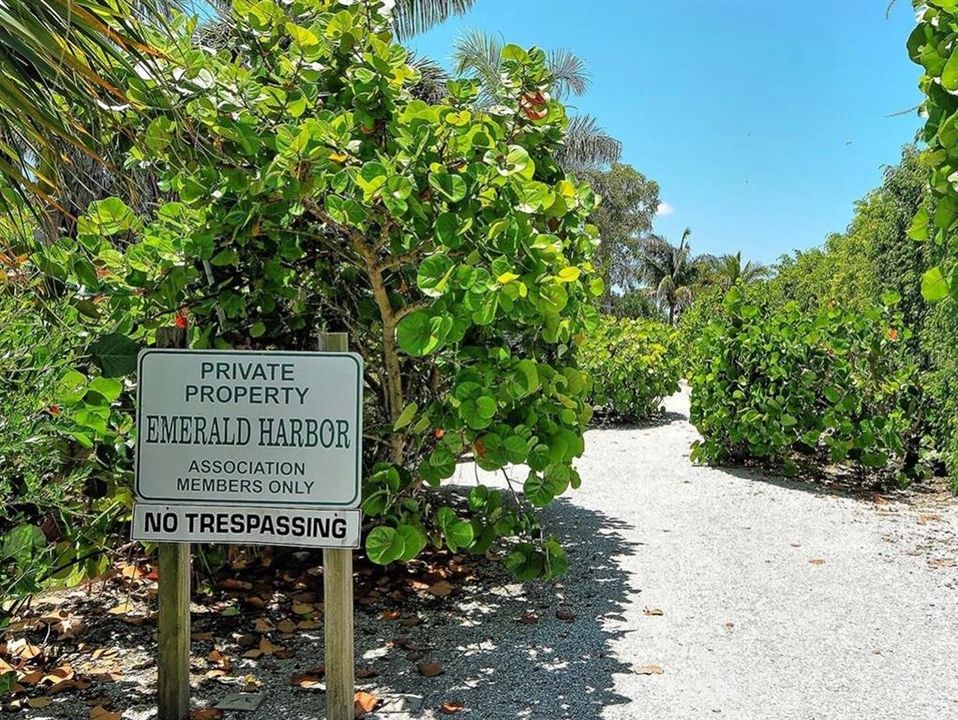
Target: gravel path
[{"x": 778, "y": 601}]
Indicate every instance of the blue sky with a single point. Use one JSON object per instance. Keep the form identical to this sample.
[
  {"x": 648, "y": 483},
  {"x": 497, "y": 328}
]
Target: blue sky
[{"x": 762, "y": 121}]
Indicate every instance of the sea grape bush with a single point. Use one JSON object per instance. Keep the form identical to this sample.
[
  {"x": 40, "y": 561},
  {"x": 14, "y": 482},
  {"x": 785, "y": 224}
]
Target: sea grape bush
[
  {"x": 767, "y": 383},
  {"x": 304, "y": 188},
  {"x": 633, "y": 363},
  {"x": 52, "y": 515},
  {"x": 934, "y": 45},
  {"x": 939, "y": 338}
]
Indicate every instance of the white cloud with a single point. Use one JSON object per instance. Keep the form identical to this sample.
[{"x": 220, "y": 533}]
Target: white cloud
[{"x": 664, "y": 209}]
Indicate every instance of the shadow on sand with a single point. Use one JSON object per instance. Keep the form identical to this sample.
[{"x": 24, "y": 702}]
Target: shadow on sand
[
  {"x": 548, "y": 666},
  {"x": 506, "y": 650}
]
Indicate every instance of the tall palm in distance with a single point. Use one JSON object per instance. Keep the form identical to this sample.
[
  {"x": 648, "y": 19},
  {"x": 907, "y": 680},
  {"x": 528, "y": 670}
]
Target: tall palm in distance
[
  {"x": 479, "y": 55},
  {"x": 728, "y": 270},
  {"x": 670, "y": 272}
]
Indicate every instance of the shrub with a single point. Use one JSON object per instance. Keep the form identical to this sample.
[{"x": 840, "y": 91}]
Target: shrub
[
  {"x": 54, "y": 516},
  {"x": 769, "y": 382},
  {"x": 633, "y": 364},
  {"x": 939, "y": 340},
  {"x": 693, "y": 320},
  {"x": 308, "y": 189}
]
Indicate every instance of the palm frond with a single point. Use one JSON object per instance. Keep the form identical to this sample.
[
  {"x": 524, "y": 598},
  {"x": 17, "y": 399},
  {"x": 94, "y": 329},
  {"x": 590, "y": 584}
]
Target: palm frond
[
  {"x": 569, "y": 72},
  {"x": 587, "y": 145},
  {"x": 414, "y": 17},
  {"x": 60, "y": 64},
  {"x": 431, "y": 87}
]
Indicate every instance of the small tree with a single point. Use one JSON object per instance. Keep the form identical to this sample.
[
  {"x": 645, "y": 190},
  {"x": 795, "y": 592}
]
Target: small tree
[{"x": 308, "y": 189}]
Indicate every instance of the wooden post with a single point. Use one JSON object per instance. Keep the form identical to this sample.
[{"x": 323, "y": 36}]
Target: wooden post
[
  {"x": 338, "y": 598},
  {"x": 173, "y": 658}
]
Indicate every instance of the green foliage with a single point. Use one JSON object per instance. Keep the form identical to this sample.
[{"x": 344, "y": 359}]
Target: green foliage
[
  {"x": 874, "y": 255},
  {"x": 307, "y": 188},
  {"x": 634, "y": 304},
  {"x": 939, "y": 339},
  {"x": 629, "y": 202},
  {"x": 57, "y": 510},
  {"x": 634, "y": 364},
  {"x": 769, "y": 382},
  {"x": 933, "y": 44},
  {"x": 692, "y": 323}
]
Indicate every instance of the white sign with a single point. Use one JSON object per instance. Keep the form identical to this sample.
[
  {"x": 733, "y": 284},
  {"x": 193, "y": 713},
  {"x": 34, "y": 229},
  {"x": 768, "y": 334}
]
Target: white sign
[
  {"x": 238, "y": 427},
  {"x": 242, "y": 524}
]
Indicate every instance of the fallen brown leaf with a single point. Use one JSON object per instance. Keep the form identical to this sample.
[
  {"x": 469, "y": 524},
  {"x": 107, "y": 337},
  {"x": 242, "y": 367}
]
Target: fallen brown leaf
[
  {"x": 218, "y": 658},
  {"x": 364, "y": 702},
  {"x": 23, "y": 650},
  {"x": 309, "y": 680},
  {"x": 565, "y": 615},
  {"x": 122, "y": 609},
  {"x": 429, "y": 669},
  {"x": 648, "y": 670},
  {"x": 364, "y": 672},
  {"x": 206, "y": 714},
  {"x": 390, "y": 615},
  {"x": 816, "y": 561},
  {"x": 440, "y": 589},
  {"x": 286, "y": 626},
  {"x": 39, "y": 702},
  {"x": 451, "y": 707},
  {"x": 234, "y": 584},
  {"x": 101, "y": 713},
  {"x": 303, "y": 608},
  {"x": 30, "y": 678},
  {"x": 528, "y": 619},
  {"x": 653, "y": 612}
]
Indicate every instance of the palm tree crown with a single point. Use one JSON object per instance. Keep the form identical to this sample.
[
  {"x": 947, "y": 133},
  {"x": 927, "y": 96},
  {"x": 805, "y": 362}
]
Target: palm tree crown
[
  {"x": 728, "y": 270},
  {"x": 669, "y": 272},
  {"x": 587, "y": 145}
]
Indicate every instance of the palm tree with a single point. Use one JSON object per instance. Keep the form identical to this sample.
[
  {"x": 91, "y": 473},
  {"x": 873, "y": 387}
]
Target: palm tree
[
  {"x": 669, "y": 272},
  {"x": 728, "y": 270},
  {"x": 60, "y": 63},
  {"x": 587, "y": 145}
]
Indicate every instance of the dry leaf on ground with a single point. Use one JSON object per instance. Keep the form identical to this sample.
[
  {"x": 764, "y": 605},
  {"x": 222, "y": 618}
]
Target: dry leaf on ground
[
  {"x": 101, "y": 713},
  {"x": 206, "y": 714},
  {"x": 364, "y": 702},
  {"x": 429, "y": 669},
  {"x": 440, "y": 589},
  {"x": 648, "y": 670},
  {"x": 451, "y": 707}
]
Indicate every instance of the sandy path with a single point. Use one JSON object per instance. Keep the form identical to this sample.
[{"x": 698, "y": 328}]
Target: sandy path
[{"x": 750, "y": 628}]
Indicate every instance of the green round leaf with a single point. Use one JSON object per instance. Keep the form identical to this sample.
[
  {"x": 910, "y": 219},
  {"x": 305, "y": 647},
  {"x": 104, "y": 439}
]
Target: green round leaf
[{"x": 384, "y": 545}]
